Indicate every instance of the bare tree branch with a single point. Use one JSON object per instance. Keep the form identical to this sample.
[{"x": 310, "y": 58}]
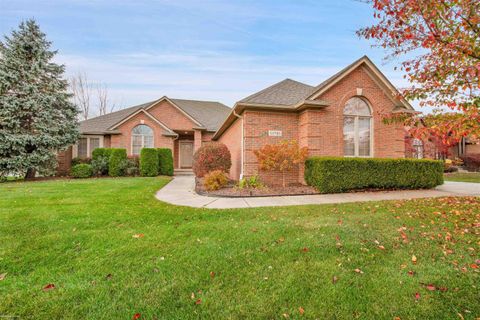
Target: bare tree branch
[{"x": 82, "y": 91}]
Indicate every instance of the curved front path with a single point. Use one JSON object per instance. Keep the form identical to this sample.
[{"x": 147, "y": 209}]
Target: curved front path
[{"x": 180, "y": 191}]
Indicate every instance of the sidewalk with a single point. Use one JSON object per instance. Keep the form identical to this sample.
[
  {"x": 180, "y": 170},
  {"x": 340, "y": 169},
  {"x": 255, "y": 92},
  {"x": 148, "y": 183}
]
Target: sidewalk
[{"x": 180, "y": 191}]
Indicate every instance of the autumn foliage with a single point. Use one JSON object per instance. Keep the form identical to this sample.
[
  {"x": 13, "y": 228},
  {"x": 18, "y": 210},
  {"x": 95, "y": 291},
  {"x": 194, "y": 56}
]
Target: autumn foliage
[
  {"x": 439, "y": 41},
  {"x": 210, "y": 157},
  {"x": 283, "y": 157}
]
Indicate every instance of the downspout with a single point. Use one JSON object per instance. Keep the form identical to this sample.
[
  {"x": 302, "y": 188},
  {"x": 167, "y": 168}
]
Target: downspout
[{"x": 241, "y": 144}]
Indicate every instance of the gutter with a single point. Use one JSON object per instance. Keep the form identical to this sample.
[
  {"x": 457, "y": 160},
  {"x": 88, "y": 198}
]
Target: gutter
[{"x": 242, "y": 158}]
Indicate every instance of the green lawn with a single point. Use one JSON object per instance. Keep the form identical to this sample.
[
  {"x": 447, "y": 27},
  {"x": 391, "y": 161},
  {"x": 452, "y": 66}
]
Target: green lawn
[
  {"x": 463, "y": 177},
  {"x": 265, "y": 263}
]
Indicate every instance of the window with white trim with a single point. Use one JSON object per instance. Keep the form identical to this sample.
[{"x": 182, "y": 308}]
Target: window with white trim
[
  {"x": 142, "y": 137},
  {"x": 87, "y": 144},
  {"x": 357, "y": 128}
]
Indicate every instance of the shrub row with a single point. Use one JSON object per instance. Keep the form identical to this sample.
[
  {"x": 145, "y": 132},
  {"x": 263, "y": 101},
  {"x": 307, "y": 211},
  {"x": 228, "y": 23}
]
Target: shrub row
[
  {"x": 332, "y": 174},
  {"x": 156, "y": 161}
]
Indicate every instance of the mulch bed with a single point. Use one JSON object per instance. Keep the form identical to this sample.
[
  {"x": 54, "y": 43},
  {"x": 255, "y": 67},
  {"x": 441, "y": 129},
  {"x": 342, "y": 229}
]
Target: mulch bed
[{"x": 232, "y": 191}]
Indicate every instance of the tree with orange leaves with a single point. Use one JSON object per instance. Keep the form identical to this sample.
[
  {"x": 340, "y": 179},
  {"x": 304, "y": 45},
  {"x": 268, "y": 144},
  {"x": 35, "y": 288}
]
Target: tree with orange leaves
[
  {"x": 283, "y": 157},
  {"x": 440, "y": 43}
]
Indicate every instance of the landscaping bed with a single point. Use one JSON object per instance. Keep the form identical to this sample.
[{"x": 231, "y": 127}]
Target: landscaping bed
[{"x": 233, "y": 191}]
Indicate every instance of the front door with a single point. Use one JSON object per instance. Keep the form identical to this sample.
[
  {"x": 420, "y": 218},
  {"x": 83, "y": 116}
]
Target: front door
[{"x": 186, "y": 154}]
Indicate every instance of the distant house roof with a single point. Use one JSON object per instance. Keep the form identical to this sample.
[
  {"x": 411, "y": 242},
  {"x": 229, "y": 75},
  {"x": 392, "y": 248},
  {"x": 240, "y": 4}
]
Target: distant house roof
[
  {"x": 286, "y": 93},
  {"x": 209, "y": 114}
]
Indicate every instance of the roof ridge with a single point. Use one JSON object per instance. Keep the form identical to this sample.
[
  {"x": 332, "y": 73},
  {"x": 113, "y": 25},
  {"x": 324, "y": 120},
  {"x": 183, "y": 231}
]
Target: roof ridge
[
  {"x": 120, "y": 110},
  {"x": 194, "y": 100}
]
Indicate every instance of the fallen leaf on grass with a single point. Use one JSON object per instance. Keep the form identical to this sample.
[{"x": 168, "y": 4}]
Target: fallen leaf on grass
[
  {"x": 2, "y": 276},
  {"x": 411, "y": 273},
  {"x": 414, "y": 259},
  {"x": 358, "y": 270},
  {"x": 49, "y": 286},
  {"x": 138, "y": 235},
  {"x": 108, "y": 276},
  {"x": 136, "y": 316},
  {"x": 212, "y": 274},
  {"x": 305, "y": 249},
  {"x": 334, "y": 279},
  {"x": 301, "y": 310},
  {"x": 339, "y": 222},
  {"x": 199, "y": 301},
  {"x": 430, "y": 287},
  {"x": 381, "y": 247},
  {"x": 474, "y": 266},
  {"x": 417, "y": 296}
]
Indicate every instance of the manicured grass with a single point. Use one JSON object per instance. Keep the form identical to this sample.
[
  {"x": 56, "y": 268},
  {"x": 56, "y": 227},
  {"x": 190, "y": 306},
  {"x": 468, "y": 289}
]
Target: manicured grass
[
  {"x": 463, "y": 177},
  {"x": 264, "y": 263}
]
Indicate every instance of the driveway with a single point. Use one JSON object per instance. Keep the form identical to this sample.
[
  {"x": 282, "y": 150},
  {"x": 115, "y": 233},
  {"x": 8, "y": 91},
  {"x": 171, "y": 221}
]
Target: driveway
[{"x": 180, "y": 191}]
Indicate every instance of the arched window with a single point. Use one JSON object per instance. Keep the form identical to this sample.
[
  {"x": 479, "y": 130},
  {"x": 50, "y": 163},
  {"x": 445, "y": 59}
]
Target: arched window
[
  {"x": 357, "y": 131},
  {"x": 142, "y": 137}
]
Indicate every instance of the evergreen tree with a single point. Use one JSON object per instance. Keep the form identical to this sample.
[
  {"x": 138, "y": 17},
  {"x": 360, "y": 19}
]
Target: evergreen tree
[{"x": 36, "y": 117}]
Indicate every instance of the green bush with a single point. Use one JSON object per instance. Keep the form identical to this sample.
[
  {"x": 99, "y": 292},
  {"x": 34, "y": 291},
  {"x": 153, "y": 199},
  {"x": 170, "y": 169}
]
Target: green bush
[
  {"x": 331, "y": 174},
  {"x": 82, "y": 170},
  {"x": 116, "y": 162},
  {"x": 165, "y": 159},
  {"x": 101, "y": 153},
  {"x": 149, "y": 162},
  {"x": 100, "y": 158},
  {"x": 78, "y": 160}
]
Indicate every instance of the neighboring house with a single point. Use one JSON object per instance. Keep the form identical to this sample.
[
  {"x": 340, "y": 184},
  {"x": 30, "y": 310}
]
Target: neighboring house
[
  {"x": 342, "y": 116},
  {"x": 181, "y": 125}
]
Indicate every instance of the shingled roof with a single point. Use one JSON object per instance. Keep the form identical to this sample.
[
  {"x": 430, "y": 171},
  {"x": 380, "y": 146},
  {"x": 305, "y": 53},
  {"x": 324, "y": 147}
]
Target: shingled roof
[
  {"x": 209, "y": 114},
  {"x": 286, "y": 93}
]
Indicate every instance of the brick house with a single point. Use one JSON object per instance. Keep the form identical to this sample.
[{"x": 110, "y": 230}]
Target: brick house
[
  {"x": 181, "y": 125},
  {"x": 341, "y": 116}
]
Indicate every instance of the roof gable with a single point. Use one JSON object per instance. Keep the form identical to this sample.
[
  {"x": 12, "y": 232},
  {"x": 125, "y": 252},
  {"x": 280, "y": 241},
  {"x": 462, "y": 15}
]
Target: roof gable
[
  {"x": 207, "y": 115},
  {"x": 373, "y": 72}
]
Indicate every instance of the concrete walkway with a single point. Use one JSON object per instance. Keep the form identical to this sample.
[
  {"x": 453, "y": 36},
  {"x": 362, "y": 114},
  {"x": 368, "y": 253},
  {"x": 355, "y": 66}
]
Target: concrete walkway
[{"x": 180, "y": 191}]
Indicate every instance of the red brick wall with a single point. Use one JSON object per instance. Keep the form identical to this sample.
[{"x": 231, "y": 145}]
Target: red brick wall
[
  {"x": 232, "y": 138},
  {"x": 171, "y": 116},
  {"x": 321, "y": 130},
  {"x": 64, "y": 159},
  {"x": 124, "y": 140},
  {"x": 256, "y": 127},
  {"x": 388, "y": 140}
]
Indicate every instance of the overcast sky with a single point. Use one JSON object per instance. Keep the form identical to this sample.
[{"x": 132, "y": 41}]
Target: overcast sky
[{"x": 212, "y": 50}]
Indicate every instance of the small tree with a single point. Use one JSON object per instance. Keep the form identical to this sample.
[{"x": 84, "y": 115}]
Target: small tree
[
  {"x": 36, "y": 117},
  {"x": 283, "y": 157}
]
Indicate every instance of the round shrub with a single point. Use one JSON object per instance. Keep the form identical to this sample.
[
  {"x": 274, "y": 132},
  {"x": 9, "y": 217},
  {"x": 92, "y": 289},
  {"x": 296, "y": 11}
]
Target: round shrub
[
  {"x": 116, "y": 162},
  {"x": 215, "y": 180},
  {"x": 165, "y": 159},
  {"x": 149, "y": 162},
  {"x": 211, "y": 157},
  {"x": 82, "y": 170}
]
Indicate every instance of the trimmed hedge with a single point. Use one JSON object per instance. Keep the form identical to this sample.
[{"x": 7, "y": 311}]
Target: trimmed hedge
[
  {"x": 149, "y": 162},
  {"x": 332, "y": 174},
  {"x": 165, "y": 159},
  {"x": 101, "y": 152},
  {"x": 82, "y": 170},
  {"x": 116, "y": 162}
]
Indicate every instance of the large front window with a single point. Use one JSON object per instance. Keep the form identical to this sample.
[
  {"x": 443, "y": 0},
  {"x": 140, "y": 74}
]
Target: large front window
[
  {"x": 86, "y": 145},
  {"x": 142, "y": 137},
  {"x": 357, "y": 133}
]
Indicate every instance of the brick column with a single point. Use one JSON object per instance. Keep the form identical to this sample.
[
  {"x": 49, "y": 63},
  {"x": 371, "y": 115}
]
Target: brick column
[{"x": 197, "y": 140}]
